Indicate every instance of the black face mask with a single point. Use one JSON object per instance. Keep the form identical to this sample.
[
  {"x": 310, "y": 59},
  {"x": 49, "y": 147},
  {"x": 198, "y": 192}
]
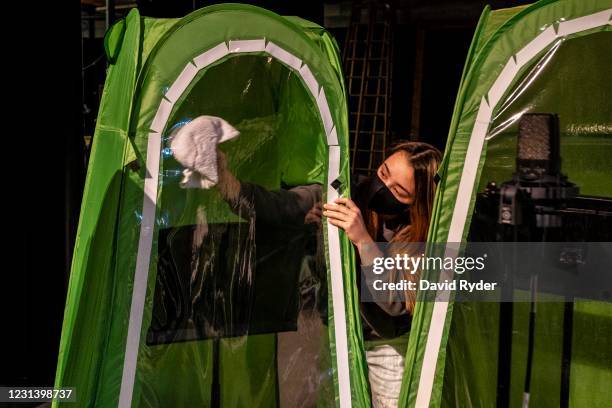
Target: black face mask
[{"x": 381, "y": 199}]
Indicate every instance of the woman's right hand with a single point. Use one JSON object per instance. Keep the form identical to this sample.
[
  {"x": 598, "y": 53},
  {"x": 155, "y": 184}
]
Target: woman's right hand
[
  {"x": 221, "y": 163},
  {"x": 228, "y": 184}
]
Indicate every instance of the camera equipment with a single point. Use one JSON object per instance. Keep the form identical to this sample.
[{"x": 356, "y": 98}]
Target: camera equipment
[
  {"x": 538, "y": 179},
  {"x": 539, "y": 204}
]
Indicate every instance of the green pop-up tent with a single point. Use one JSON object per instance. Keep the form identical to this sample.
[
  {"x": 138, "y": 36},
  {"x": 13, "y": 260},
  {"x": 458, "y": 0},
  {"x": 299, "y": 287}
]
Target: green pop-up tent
[
  {"x": 131, "y": 334},
  {"x": 141, "y": 328},
  {"x": 552, "y": 56}
]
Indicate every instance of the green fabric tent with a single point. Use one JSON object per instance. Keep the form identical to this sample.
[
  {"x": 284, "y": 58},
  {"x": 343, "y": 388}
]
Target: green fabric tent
[
  {"x": 278, "y": 81},
  {"x": 552, "y": 56}
]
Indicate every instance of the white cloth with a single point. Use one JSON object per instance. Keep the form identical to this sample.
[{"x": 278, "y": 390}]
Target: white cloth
[
  {"x": 195, "y": 146},
  {"x": 385, "y": 372}
]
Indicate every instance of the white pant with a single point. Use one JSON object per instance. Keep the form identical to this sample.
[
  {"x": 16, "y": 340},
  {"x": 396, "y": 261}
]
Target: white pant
[{"x": 385, "y": 371}]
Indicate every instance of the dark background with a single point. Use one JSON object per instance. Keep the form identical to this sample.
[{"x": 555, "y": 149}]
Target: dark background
[{"x": 57, "y": 68}]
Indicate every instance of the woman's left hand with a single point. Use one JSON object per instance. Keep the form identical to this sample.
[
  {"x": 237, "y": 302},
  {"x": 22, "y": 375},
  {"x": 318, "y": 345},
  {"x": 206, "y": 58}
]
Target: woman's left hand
[{"x": 346, "y": 215}]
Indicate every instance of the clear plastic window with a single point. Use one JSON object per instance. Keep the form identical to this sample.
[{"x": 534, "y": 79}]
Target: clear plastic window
[{"x": 239, "y": 307}]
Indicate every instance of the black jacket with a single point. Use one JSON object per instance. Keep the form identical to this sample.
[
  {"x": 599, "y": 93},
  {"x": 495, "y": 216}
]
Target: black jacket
[{"x": 289, "y": 207}]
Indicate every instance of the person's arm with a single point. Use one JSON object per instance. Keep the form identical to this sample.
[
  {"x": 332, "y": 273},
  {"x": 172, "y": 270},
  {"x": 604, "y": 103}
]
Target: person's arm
[
  {"x": 346, "y": 214},
  {"x": 391, "y": 305},
  {"x": 286, "y": 207}
]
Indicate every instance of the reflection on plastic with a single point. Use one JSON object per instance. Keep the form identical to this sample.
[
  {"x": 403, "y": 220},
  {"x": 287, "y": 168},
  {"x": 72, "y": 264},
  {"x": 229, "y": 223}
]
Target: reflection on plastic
[{"x": 533, "y": 74}]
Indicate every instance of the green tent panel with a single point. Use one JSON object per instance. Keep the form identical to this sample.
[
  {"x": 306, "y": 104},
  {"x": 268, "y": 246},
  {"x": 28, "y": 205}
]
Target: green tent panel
[{"x": 552, "y": 56}]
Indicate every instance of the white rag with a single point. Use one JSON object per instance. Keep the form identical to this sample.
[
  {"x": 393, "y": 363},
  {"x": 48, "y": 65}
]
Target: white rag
[{"x": 195, "y": 146}]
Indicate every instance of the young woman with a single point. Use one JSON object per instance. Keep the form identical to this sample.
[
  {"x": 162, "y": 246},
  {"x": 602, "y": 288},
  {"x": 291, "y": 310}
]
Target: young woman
[{"x": 393, "y": 205}]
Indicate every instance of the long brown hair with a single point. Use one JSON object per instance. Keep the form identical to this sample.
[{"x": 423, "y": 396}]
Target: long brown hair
[{"x": 425, "y": 160}]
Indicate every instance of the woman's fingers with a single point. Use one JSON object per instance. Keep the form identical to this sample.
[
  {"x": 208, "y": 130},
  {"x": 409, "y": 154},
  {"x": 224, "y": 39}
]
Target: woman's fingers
[
  {"x": 337, "y": 223},
  {"x": 335, "y": 214},
  {"x": 350, "y": 204},
  {"x": 337, "y": 207}
]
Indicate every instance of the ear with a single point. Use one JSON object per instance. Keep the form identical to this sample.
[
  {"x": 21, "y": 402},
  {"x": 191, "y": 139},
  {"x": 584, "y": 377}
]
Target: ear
[{"x": 227, "y": 131}]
